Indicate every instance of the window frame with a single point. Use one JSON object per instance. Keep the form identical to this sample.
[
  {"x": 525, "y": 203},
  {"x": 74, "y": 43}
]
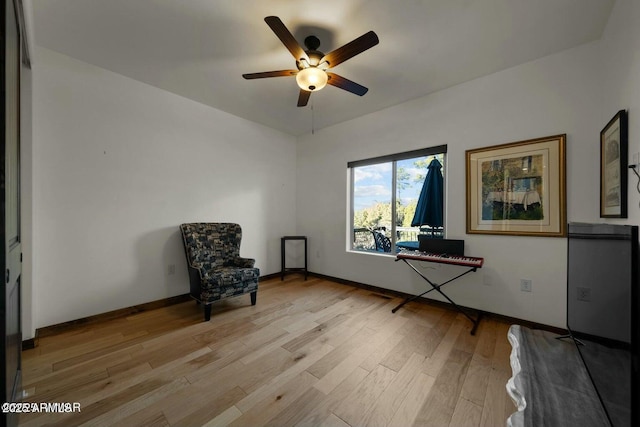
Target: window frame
[{"x": 394, "y": 159}]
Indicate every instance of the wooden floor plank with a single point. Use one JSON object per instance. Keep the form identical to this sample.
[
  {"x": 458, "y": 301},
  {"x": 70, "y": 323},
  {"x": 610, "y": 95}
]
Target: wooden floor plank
[
  {"x": 433, "y": 364},
  {"x": 204, "y": 406},
  {"x": 322, "y": 410},
  {"x": 410, "y": 407},
  {"x": 329, "y": 381},
  {"x": 298, "y": 409},
  {"x": 391, "y": 398},
  {"x": 225, "y": 418},
  {"x": 475, "y": 385},
  {"x": 310, "y": 353},
  {"x": 360, "y": 402},
  {"x": 496, "y": 406},
  {"x": 314, "y": 333},
  {"x": 466, "y": 414},
  {"x": 399, "y": 355},
  {"x": 333, "y": 421},
  {"x": 440, "y": 404},
  {"x": 302, "y": 361},
  {"x": 143, "y": 418},
  {"x": 330, "y": 361},
  {"x": 275, "y": 400},
  {"x": 382, "y": 352},
  {"x": 476, "y": 381},
  {"x": 130, "y": 408}
]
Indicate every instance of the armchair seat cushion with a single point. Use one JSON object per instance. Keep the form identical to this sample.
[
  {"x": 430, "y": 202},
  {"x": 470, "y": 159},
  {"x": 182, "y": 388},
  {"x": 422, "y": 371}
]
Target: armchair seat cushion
[
  {"x": 229, "y": 276},
  {"x": 221, "y": 292}
]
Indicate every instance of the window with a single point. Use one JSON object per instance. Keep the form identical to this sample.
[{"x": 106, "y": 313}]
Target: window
[{"x": 384, "y": 195}]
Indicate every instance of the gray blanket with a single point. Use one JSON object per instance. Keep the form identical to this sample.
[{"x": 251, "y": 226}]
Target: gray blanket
[{"x": 552, "y": 387}]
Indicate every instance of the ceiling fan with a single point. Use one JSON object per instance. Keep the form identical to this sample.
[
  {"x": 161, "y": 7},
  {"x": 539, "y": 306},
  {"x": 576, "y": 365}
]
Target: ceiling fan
[{"x": 312, "y": 74}]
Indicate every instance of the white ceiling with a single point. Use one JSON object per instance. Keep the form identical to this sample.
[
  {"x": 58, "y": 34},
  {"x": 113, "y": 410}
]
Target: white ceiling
[{"x": 200, "y": 48}]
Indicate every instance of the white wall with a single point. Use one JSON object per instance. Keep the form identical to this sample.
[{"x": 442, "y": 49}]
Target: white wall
[
  {"x": 621, "y": 76},
  {"x": 557, "y": 94},
  {"x": 118, "y": 165}
]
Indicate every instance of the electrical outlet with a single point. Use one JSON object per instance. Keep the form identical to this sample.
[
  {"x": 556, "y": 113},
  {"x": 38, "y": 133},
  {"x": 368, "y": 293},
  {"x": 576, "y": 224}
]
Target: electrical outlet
[
  {"x": 525, "y": 285},
  {"x": 583, "y": 294},
  {"x": 171, "y": 269}
]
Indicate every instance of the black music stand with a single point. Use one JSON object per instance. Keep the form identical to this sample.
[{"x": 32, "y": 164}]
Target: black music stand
[{"x": 436, "y": 287}]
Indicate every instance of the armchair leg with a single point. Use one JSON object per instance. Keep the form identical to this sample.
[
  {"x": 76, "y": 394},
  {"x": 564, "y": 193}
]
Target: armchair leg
[
  {"x": 254, "y": 295},
  {"x": 207, "y": 312}
]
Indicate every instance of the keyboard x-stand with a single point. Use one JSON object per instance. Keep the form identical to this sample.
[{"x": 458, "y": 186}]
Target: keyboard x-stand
[{"x": 472, "y": 262}]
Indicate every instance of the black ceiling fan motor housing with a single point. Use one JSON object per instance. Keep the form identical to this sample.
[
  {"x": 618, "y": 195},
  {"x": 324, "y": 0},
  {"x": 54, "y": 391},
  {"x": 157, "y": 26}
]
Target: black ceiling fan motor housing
[{"x": 312, "y": 42}]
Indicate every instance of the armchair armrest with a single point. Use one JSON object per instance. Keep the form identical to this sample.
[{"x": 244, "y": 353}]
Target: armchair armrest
[{"x": 195, "y": 277}]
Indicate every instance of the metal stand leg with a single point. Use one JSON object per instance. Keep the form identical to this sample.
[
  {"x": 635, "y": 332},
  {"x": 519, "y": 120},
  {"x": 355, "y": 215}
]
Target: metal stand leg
[
  {"x": 436, "y": 287},
  {"x": 282, "y": 255}
]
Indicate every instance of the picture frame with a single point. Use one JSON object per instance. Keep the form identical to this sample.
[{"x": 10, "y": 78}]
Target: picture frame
[
  {"x": 518, "y": 188},
  {"x": 613, "y": 167}
]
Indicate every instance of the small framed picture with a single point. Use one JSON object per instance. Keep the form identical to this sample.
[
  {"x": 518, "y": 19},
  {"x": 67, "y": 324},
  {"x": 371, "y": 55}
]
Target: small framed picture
[
  {"x": 613, "y": 167},
  {"x": 518, "y": 188}
]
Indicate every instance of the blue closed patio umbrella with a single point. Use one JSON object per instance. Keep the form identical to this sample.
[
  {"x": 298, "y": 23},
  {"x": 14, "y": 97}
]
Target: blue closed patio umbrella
[{"x": 431, "y": 200}]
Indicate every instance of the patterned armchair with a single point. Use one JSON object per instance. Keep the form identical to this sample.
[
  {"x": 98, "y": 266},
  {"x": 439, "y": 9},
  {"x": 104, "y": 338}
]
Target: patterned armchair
[{"x": 216, "y": 270}]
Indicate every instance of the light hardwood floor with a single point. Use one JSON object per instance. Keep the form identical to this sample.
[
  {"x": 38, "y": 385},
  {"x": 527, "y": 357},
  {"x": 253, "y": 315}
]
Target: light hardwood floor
[{"x": 310, "y": 353}]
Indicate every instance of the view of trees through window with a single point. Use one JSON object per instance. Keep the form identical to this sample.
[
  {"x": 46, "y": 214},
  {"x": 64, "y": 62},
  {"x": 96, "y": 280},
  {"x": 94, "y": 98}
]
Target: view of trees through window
[{"x": 383, "y": 201}]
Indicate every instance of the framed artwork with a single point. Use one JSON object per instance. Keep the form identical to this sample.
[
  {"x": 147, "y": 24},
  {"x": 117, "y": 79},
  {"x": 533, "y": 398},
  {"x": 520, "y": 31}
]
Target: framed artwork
[
  {"x": 518, "y": 188},
  {"x": 613, "y": 167}
]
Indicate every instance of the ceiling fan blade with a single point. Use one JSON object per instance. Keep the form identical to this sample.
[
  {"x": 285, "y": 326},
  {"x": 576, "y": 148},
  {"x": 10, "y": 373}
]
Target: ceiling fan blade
[
  {"x": 264, "y": 74},
  {"x": 286, "y": 37},
  {"x": 346, "y": 84},
  {"x": 303, "y": 98},
  {"x": 351, "y": 49}
]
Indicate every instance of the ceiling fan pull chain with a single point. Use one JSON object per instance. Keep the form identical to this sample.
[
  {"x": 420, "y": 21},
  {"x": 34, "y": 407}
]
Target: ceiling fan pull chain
[{"x": 313, "y": 122}]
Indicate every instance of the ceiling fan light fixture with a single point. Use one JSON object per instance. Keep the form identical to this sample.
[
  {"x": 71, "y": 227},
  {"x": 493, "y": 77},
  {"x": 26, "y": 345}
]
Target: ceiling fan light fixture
[{"x": 311, "y": 79}]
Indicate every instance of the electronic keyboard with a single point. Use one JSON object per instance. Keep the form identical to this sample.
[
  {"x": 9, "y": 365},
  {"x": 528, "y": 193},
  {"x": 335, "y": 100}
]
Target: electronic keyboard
[{"x": 465, "y": 261}]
